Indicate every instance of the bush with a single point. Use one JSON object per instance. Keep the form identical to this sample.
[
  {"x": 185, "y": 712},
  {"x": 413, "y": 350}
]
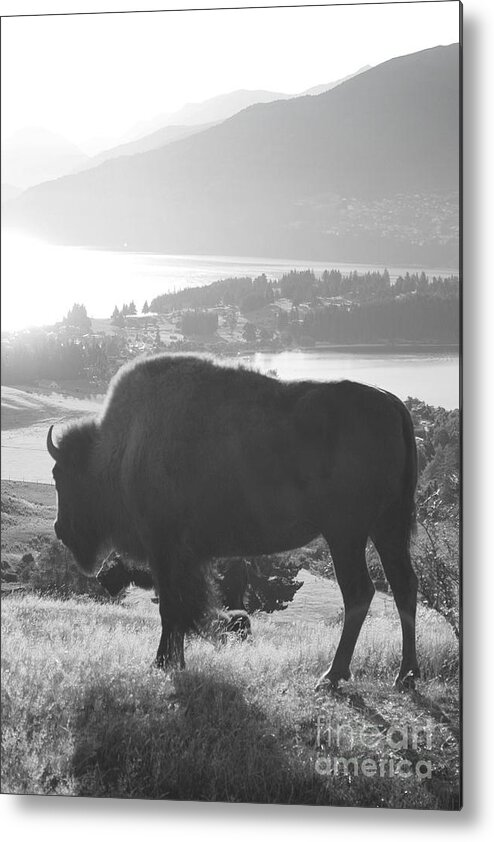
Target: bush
[
  {"x": 437, "y": 565},
  {"x": 265, "y": 583},
  {"x": 54, "y": 571}
]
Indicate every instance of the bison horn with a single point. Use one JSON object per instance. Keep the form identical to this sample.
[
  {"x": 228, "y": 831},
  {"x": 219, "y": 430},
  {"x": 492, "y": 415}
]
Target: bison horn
[{"x": 52, "y": 449}]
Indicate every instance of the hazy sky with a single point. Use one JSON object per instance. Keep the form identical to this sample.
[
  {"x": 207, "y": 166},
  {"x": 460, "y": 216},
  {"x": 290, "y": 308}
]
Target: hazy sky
[{"x": 96, "y": 76}]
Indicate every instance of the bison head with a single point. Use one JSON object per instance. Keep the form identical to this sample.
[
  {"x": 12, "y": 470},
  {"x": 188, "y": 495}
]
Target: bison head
[
  {"x": 79, "y": 516},
  {"x": 233, "y": 624}
]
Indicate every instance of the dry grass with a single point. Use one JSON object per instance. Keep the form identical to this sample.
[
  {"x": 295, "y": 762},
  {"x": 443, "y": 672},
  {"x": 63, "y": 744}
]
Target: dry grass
[
  {"x": 83, "y": 713},
  {"x": 28, "y": 512}
]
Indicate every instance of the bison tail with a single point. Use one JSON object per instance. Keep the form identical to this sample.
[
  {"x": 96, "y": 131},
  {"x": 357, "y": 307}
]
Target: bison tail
[{"x": 411, "y": 473}]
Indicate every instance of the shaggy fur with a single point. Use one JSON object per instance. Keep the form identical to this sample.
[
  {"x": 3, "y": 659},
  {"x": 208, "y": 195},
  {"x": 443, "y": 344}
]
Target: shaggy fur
[{"x": 190, "y": 461}]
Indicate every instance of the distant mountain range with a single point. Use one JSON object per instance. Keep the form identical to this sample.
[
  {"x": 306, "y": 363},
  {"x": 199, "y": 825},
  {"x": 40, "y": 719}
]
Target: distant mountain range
[
  {"x": 34, "y": 155},
  {"x": 366, "y": 171},
  {"x": 196, "y": 117},
  {"x": 155, "y": 140},
  {"x": 221, "y": 107},
  {"x": 9, "y": 192}
]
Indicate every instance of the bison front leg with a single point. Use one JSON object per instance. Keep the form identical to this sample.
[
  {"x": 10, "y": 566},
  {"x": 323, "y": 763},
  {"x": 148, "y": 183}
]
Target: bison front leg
[
  {"x": 184, "y": 602},
  {"x": 170, "y": 654}
]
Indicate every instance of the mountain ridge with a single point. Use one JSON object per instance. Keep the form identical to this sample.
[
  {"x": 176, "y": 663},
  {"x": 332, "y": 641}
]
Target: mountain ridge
[
  {"x": 275, "y": 176},
  {"x": 223, "y": 106},
  {"x": 213, "y": 111},
  {"x": 33, "y": 155}
]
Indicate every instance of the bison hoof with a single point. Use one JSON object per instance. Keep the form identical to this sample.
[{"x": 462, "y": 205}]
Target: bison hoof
[
  {"x": 330, "y": 680},
  {"x": 167, "y": 664},
  {"x": 407, "y": 682}
]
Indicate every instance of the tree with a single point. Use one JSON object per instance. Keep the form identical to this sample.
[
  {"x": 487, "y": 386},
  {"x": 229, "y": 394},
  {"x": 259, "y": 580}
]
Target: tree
[
  {"x": 250, "y": 332},
  {"x": 132, "y": 309},
  {"x": 271, "y": 583},
  {"x": 423, "y": 283},
  {"x": 266, "y": 583},
  {"x": 102, "y": 364},
  {"x": 282, "y": 320},
  {"x": 117, "y": 318},
  {"x": 145, "y": 307},
  {"x": 78, "y": 317},
  {"x": 199, "y": 323},
  {"x": 265, "y": 335},
  {"x": 231, "y": 320},
  {"x": 253, "y": 301}
]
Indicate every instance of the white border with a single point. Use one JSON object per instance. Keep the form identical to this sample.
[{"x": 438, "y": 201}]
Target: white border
[{"x": 52, "y": 819}]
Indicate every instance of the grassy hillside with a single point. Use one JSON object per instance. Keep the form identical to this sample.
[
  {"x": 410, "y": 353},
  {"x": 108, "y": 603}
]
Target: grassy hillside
[
  {"x": 25, "y": 407},
  {"x": 28, "y": 512},
  {"x": 83, "y": 714}
]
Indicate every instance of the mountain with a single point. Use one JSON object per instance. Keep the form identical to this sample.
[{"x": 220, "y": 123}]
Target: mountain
[
  {"x": 33, "y": 155},
  {"x": 10, "y": 191},
  {"x": 207, "y": 113},
  {"x": 213, "y": 110},
  {"x": 220, "y": 108},
  {"x": 366, "y": 171},
  {"x": 155, "y": 140},
  {"x": 321, "y": 89}
]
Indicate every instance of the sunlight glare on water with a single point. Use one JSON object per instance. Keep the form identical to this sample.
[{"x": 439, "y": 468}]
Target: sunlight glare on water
[{"x": 41, "y": 282}]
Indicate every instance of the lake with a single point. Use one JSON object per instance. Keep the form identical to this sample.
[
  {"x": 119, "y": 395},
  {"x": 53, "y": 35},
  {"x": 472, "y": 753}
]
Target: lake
[
  {"x": 41, "y": 282},
  {"x": 430, "y": 377}
]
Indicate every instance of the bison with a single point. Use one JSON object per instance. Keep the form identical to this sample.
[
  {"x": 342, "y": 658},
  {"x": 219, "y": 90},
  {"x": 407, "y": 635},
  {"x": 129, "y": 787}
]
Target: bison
[
  {"x": 115, "y": 575},
  {"x": 234, "y": 624},
  {"x": 190, "y": 460}
]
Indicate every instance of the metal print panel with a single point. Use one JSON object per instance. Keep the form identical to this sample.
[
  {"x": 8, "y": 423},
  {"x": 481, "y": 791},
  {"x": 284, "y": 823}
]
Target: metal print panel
[{"x": 231, "y": 406}]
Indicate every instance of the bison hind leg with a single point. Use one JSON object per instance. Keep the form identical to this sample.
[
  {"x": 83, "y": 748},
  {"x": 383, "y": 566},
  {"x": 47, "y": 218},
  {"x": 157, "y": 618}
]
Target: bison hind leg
[
  {"x": 348, "y": 554},
  {"x": 391, "y": 537}
]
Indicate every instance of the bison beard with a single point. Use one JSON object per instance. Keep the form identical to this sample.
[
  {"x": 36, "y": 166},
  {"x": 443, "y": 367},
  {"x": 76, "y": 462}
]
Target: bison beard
[
  {"x": 190, "y": 461},
  {"x": 235, "y": 623},
  {"x": 115, "y": 576}
]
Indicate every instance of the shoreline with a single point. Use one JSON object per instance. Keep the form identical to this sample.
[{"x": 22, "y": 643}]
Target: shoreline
[
  {"x": 384, "y": 348},
  {"x": 245, "y": 349},
  {"x": 84, "y": 389}
]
